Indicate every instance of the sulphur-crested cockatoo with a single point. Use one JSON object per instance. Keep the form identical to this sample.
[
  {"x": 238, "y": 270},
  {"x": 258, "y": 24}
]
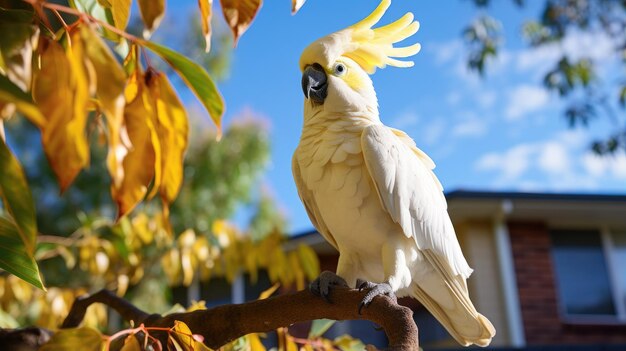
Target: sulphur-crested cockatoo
[{"x": 369, "y": 190}]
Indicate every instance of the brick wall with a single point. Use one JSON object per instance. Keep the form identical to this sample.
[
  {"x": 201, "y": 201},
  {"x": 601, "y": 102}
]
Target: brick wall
[{"x": 530, "y": 243}]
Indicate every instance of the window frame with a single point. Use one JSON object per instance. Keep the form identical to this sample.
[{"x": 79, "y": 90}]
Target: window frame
[{"x": 607, "y": 246}]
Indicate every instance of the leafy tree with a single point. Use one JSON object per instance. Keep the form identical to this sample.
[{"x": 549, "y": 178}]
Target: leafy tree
[{"x": 575, "y": 80}]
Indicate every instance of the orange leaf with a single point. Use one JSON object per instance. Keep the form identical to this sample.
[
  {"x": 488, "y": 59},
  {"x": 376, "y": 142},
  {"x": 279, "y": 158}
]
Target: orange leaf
[
  {"x": 152, "y": 12},
  {"x": 61, "y": 90},
  {"x": 139, "y": 163},
  {"x": 172, "y": 130},
  {"x": 205, "y": 21},
  {"x": 239, "y": 14},
  {"x": 296, "y": 5}
]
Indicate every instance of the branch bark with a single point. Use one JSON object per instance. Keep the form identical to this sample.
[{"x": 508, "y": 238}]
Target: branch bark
[{"x": 223, "y": 324}]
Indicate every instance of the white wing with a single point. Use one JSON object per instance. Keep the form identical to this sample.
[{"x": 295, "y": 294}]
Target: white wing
[{"x": 413, "y": 197}]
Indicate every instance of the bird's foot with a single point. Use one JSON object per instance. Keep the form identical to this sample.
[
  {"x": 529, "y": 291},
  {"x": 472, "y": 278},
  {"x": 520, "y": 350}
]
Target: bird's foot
[
  {"x": 322, "y": 285},
  {"x": 374, "y": 290}
]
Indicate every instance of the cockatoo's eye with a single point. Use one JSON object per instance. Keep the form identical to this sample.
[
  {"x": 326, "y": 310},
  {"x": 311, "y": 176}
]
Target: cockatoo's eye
[{"x": 340, "y": 69}]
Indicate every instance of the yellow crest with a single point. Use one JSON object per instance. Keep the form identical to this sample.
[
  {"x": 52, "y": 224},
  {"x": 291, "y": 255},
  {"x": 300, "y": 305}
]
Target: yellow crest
[
  {"x": 373, "y": 47},
  {"x": 367, "y": 46}
]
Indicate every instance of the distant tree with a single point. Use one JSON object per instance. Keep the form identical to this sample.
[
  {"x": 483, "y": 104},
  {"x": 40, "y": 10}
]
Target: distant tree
[{"x": 575, "y": 80}]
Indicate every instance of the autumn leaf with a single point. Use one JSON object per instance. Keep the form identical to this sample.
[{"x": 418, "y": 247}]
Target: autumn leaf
[
  {"x": 183, "y": 339},
  {"x": 139, "y": 163},
  {"x": 196, "y": 78},
  {"x": 110, "y": 82},
  {"x": 172, "y": 130},
  {"x": 121, "y": 13},
  {"x": 61, "y": 91},
  {"x": 19, "y": 36},
  {"x": 86, "y": 339},
  {"x": 205, "y": 20},
  {"x": 239, "y": 14},
  {"x": 309, "y": 261},
  {"x": 152, "y": 12},
  {"x": 13, "y": 98},
  {"x": 296, "y": 5}
]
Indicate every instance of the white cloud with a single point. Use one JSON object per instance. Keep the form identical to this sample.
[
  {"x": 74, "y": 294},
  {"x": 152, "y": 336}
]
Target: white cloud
[
  {"x": 554, "y": 158},
  {"x": 510, "y": 164},
  {"x": 447, "y": 51},
  {"x": 453, "y": 98},
  {"x": 405, "y": 120},
  {"x": 560, "y": 163},
  {"x": 433, "y": 132},
  {"x": 470, "y": 127},
  {"x": 486, "y": 98},
  {"x": 525, "y": 99}
]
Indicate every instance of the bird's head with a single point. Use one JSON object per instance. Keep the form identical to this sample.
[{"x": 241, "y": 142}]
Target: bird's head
[{"x": 336, "y": 68}]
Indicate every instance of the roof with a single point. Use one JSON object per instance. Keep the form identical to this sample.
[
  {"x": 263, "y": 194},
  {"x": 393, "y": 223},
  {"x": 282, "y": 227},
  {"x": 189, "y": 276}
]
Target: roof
[{"x": 512, "y": 195}]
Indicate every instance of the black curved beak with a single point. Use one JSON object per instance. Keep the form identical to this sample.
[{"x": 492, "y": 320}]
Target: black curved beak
[{"x": 315, "y": 83}]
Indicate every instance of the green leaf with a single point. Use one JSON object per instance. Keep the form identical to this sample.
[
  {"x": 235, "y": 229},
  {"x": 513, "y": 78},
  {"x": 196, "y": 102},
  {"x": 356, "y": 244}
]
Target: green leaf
[
  {"x": 99, "y": 12},
  {"x": 622, "y": 96},
  {"x": 84, "y": 338},
  {"x": 319, "y": 327},
  {"x": 196, "y": 78},
  {"x": 14, "y": 258},
  {"x": 17, "y": 198},
  {"x": 12, "y": 94}
]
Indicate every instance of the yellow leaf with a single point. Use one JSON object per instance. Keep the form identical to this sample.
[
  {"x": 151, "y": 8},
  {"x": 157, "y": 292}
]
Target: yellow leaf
[
  {"x": 291, "y": 345},
  {"x": 110, "y": 82},
  {"x": 61, "y": 91},
  {"x": 296, "y": 269},
  {"x": 296, "y": 5},
  {"x": 86, "y": 339},
  {"x": 19, "y": 38},
  {"x": 172, "y": 130},
  {"x": 309, "y": 261},
  {"x": 255, "y": 342},
  {"x": 121, "y": 12},
  {"x": 239, "y": 14},
  {"x": 205, "y": 21},
  {"x": 139, "y": 163},
  {"x": 131, "y": 344},
  {"x": 267, "y": 293},
  {"x": 152, "y": 12},
  {"x": 196, "y": 305},
  {"x": 183, "y": 339}
]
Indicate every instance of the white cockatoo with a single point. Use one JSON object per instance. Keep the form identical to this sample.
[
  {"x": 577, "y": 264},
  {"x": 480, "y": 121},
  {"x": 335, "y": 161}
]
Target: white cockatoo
[{"x": 369, "y": 190}]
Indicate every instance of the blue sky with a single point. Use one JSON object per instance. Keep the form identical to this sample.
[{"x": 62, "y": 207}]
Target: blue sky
[{"x": 501, "y": 132}]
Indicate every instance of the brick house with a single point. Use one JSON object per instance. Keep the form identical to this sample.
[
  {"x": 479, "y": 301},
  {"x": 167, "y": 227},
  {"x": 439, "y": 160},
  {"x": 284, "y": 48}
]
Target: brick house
[{"x": 550, "y": 272}]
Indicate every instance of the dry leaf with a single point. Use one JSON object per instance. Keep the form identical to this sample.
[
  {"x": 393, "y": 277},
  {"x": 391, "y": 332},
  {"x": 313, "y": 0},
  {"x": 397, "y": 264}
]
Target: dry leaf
[
  {"x": 121, "y": 13},
  {"x": 205, "y": 21},
  {"x": 152, "y": 12},
  {"x": 139, "y": 163},
  {"x": 61, "y": 91},
  {"x": 239, "y": 14},
  {"x": 110, "y": 82},
  {"x": 172, "y": 130}
]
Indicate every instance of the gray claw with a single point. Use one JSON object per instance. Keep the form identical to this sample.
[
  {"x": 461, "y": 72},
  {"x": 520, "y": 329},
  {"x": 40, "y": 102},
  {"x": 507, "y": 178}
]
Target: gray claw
[
  {"x": 322, "y": 285},
  {"x": 374, "y": 290}
]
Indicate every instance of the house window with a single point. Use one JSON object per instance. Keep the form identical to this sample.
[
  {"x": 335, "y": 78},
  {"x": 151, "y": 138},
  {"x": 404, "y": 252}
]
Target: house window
[{"x": 590, "y": 269}]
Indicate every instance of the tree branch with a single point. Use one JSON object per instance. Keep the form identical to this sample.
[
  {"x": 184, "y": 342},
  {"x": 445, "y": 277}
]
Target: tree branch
[{"x": 223, "y": 324}]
